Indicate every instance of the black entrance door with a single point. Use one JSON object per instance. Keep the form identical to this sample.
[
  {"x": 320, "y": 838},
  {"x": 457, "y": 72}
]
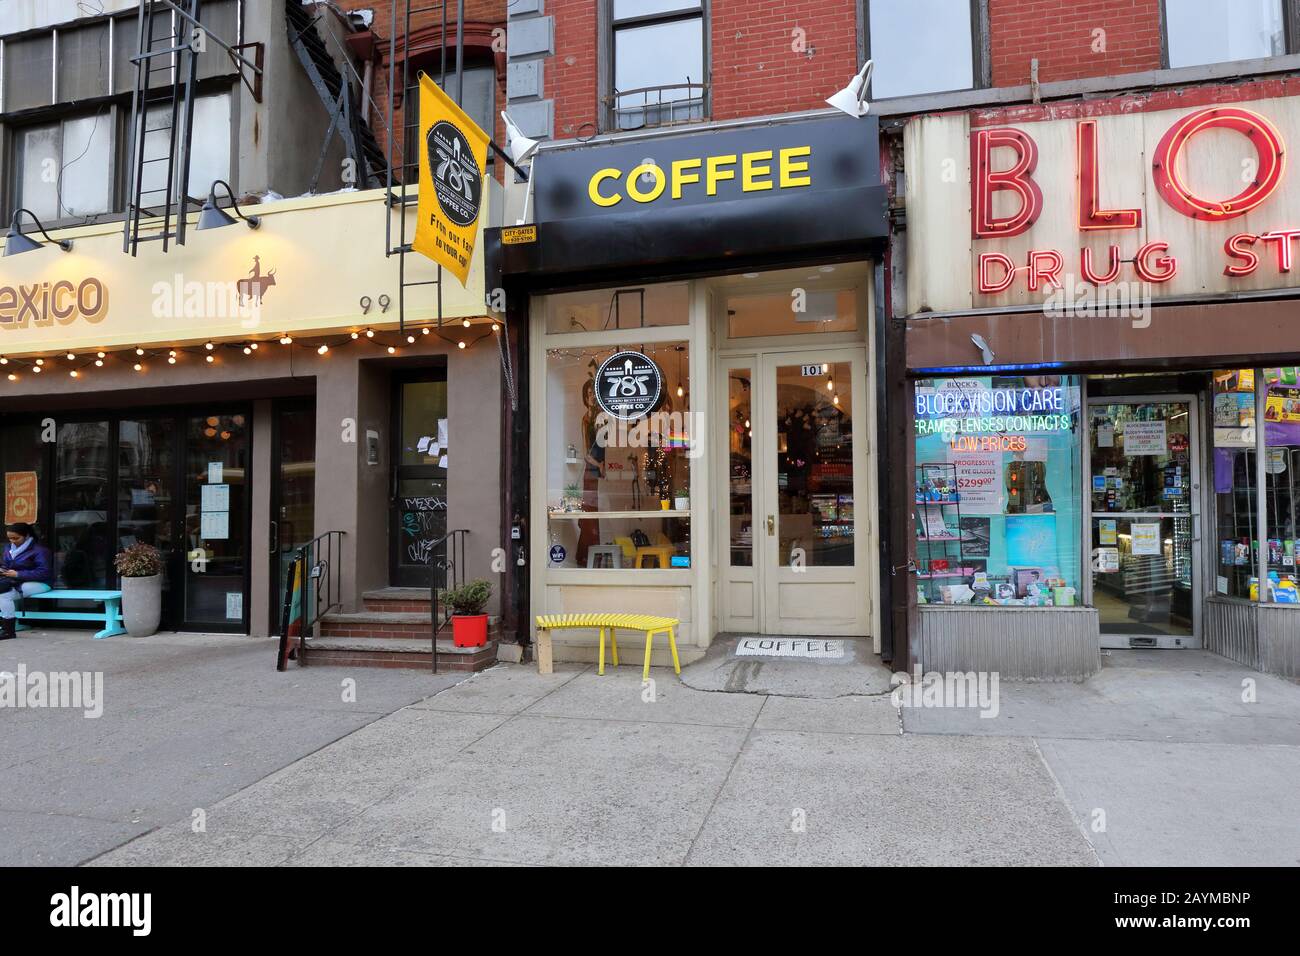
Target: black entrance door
[
  {"x": 420, "y": 457},
  {"x": 293, "y": 492}
]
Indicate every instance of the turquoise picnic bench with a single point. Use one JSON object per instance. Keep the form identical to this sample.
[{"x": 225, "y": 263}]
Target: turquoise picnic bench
[{"x": 111, "y": 616}]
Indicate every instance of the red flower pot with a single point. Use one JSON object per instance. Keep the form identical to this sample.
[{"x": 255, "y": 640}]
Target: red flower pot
[{"x": 469, "y": 630}]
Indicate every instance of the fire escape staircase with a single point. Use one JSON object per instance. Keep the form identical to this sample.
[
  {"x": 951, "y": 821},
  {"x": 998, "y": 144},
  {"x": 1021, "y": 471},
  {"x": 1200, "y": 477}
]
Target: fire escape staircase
[{"x": 347, "y": 116}]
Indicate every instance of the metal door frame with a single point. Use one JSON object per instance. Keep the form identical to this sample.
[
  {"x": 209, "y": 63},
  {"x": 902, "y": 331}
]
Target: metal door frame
[{"x": 1195, "y": 411}]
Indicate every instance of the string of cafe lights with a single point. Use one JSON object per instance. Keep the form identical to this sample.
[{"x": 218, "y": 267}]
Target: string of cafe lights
[{"x": 140, "y": 357}]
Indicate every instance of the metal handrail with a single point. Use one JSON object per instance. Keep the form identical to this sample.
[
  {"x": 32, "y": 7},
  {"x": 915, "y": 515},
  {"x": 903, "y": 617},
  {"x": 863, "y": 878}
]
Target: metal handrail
[
  {"x": 317, "y": 561},
  {"x": 690, "y": 103},
  {"x": 453, "y": 561}
]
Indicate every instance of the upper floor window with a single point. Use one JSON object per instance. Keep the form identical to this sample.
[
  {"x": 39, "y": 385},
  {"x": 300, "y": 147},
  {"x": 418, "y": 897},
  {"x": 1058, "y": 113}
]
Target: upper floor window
[
  {"x": 921, "y": 46},
  {"x": 658, "y": 52},
  {"x": 1211, "y": 31},
  {"x": 65, "y": 103}
]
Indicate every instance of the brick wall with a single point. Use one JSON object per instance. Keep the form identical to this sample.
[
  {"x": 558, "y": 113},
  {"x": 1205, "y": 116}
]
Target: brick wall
[
  {"x": 1072, "y": 40},
  {"x": 572, "y": 74},
  {"x": 767, "y": 57},
  {"x": 780, "y": 57},
  {"x": 476, "y": 11}
]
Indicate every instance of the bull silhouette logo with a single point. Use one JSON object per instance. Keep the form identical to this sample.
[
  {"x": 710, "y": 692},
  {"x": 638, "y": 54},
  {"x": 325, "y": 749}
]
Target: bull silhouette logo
[{"x": 256, "y": 284}]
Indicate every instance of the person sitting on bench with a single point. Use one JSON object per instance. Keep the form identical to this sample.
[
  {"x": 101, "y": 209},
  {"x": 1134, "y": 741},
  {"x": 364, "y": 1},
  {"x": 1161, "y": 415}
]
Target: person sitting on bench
[{"x": 25, "y": 568}]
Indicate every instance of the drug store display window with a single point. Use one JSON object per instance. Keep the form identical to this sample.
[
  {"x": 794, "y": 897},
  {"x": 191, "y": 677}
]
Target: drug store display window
[{"x": 996, "y": 501}]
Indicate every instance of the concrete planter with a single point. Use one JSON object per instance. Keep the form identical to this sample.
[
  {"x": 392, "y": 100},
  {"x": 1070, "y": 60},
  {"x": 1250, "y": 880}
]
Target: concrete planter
[{"x": 142, "y": 605}]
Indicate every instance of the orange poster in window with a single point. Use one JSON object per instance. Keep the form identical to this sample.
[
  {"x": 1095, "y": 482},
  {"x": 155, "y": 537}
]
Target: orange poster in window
[{"x": 20, "y": 496}]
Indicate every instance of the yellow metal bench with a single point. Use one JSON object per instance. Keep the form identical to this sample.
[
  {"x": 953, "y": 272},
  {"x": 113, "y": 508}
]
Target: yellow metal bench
[{"x": 648, "y": 623}]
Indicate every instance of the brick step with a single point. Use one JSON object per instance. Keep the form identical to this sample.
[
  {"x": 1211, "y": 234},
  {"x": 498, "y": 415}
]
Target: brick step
[
  {"x": 407, "y": 625},
  {"x": 390, "y": 652},
  {"x": 397, "y": 599}
]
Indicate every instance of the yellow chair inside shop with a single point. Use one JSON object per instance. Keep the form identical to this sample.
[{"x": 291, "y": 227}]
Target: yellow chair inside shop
[
  {"x": 602, "y": 622},
  {"x": 662, "y": 551}
]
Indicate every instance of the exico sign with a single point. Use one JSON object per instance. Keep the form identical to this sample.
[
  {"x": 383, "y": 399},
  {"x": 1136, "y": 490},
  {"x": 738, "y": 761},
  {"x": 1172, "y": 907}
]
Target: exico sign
[
  {"x": 1094, "y": 195},
  {"x": 43, "y": 304}
]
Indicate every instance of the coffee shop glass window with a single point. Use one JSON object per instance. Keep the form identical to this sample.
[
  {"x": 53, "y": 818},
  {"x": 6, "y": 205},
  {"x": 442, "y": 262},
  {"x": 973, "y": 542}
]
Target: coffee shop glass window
[
  {"x": 997, "y": 501},
  {"x": 619, "y": 458},
  {"x": 1282, "y": 484}
]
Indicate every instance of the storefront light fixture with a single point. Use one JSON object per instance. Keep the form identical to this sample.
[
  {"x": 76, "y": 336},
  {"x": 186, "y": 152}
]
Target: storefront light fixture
[
  {"x": 424, "y": 331},
  {"x": 16, "y": 242},
  {"x": 286, "y": 340},
  {"x": 211, "y": 216},
  {"x": 211, "y": 359},
  {"x": 322, "y": 350},
  {"x": 138, "y": 367},
  {"x": 40, "y": 362},
  {"x": 519, "y": 149},
  {"x": 852, "y": 100},
  {"x": 460, "y": 344}
]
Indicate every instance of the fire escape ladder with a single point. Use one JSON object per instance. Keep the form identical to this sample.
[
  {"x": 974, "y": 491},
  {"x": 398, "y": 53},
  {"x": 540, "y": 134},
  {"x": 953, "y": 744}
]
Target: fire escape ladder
[{"x": 165, "y": 53}]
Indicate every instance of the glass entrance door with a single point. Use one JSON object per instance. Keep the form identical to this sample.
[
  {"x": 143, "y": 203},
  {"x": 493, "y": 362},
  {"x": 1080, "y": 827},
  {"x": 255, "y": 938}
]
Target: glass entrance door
[
  {"x": 1145, "y": 517},
  {"x": 795, "y": 479}
]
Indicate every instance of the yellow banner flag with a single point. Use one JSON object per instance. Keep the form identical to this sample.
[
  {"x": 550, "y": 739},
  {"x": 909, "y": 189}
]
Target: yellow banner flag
[{"x": 453, "y": 156}]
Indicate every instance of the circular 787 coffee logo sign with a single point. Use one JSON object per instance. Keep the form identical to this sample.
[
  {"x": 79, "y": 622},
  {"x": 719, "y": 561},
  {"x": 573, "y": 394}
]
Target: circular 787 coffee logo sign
[
  {"x": 628, "y": 385},
  {"x": 457, "y": 179}
]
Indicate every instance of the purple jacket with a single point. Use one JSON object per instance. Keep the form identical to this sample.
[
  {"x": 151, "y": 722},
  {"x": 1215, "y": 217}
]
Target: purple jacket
[{"x": 33, "y": 565}]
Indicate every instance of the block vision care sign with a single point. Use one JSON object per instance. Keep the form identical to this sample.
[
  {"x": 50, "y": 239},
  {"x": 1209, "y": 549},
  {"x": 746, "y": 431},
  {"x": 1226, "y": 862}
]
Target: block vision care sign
[{"x": 453, "y": 156}]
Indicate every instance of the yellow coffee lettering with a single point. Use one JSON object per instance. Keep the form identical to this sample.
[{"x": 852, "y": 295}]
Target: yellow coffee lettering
[
  {"x": 634, "y": 190},
  {"x": 750, "y": 170},
  {"x": 790, "y": 166},
  {"x": 681, "y": 177},
  {"x": 715, "y": 173},
  {"x": 593, "y": 188}
]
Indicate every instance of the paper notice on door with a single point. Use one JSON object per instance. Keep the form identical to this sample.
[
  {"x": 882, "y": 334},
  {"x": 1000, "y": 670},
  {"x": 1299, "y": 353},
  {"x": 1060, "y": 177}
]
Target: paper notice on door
[
  {"x": 1106, "y": 436},
  {"x": 1106, "y": 561},
  {"x": 215, "y": 497},
  {"x": 234, "y": 605},
  {"x": 1145, "y": 438},
  {"x": 1106, "y": 531},
  {"x": 442, "y": 462},
  {"x": 214, "y": 472},
  {"x": 1146, "y": 538},
  {"x": 214, "y": 525},
  {"x": 422, "y": 445},
  {"x": 442, "y": 432}
]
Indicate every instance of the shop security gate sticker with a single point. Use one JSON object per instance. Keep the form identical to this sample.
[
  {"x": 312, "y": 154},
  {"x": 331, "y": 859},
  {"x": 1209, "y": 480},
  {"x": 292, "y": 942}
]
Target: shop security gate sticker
[
  {"x": 628, "y": 385},
  {"x": 788, "y": 647}
]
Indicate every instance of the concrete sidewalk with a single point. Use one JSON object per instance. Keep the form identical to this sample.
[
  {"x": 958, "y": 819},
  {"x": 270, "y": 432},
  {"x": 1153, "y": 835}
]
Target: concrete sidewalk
[
  {"x": 1157, "y": 760},
  {"x": 514, "y": 768},
  {"x": 188, "y": 719}
]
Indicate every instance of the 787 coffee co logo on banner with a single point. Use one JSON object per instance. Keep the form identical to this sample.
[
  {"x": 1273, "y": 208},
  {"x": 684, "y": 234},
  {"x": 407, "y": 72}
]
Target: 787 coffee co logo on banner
[{"x": 629, "y": 385}]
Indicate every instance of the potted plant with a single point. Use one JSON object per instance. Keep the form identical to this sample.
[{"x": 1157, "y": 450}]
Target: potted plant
[
  {"x": 468, "y": 623},
  {"x": 572, "y": 500},
  {"x": 681, "y": 500},
  {"x": 140, "y": 567}
]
